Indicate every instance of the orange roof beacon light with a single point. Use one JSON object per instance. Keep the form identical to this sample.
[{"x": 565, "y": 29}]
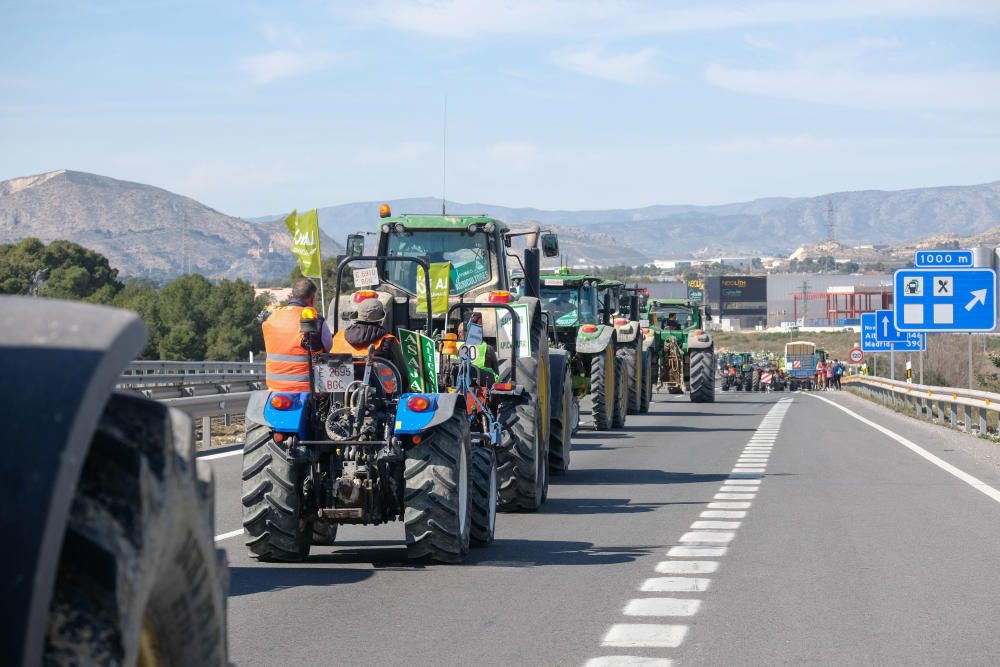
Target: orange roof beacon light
[
  {"x": 308, "y": 313},
  {"x": 449, "y": 346},
  {"x": 384, "y": 211},
  {"x": 364, "y": 294},
  {"x": 499, "y": 296}
]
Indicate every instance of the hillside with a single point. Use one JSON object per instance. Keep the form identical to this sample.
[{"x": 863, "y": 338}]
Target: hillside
[
  {"x": 771, "y": 226},
  {"x": 144, "y": 230}
]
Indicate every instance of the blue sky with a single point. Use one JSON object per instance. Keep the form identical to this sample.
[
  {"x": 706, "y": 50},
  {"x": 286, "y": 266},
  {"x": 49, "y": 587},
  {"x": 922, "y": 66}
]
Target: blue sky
[{"x": 260, "y": 107}]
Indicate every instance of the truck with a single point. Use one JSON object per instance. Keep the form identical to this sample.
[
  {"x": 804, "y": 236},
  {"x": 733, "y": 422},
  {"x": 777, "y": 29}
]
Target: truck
[
  {"x": 471, "y": 261},
  {"x": 684, "y": 349},
  {"x": 111, "y": 558},
  {"x": 801, "y": 358}
]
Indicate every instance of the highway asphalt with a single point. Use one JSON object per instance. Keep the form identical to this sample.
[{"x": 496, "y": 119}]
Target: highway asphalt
[{"x": 757, "y": 530}]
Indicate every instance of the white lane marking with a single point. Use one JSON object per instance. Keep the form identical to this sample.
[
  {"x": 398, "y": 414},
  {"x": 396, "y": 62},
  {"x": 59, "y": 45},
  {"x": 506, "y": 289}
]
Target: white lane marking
[
  {"x": 702, "y": 537},
  {"x": 696, "y": 552},
  {"x": 628, "y": 661},
  {"x": 723, "y": 514},
  {"x": 645, "y": 634},
  {"x": 687, "y": 566},
  {"x": 226, "y": 536},
  {"x": 749, "y": 458},
  {"x": 748, "y": 470},
  {"x": 735, "y": 496},
  {"x": 661, "y": 607},
  {"x": 221, "y": 455},
  {"x": 974, "y": 482},
  {"x": 738, "y": 489},
  {"x": 715, "y": 525},
  {"x": 729, "y": 506},
  {"x": 748, "y": 482},
  {"x": 675, "y": 585}
]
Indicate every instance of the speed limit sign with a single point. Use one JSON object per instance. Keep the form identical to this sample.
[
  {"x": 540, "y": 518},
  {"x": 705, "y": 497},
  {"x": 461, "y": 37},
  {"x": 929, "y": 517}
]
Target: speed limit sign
[{"x": 857, "y": 356}]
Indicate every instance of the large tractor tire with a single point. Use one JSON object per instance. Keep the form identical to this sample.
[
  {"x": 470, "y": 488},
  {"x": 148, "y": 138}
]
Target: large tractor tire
[
  {"x": 561, "y": 438},
  {"x": 703, "y": 375},
  {"x": 621, "y": 395},
  {"x": 603, "y": 385},
  {"x": 755, "y": 380},
  {"x": 633, "y": 361},
  {"x": 275, "y": 525},
  {"x": 647, "y": 381},
  {"x": 139, "y": 579},
  {"x": 483, "y": 496},
  {"x": 523, "y": 460},
  {"x": 436, "y": 496}
]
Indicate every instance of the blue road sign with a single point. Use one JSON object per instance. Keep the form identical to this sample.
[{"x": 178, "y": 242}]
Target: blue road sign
[
  {"x": 885, "y": 329},
  {"x": 912, "y": 342},
  {"x": 944, "y": 258},
  {"x": 945, "y": 300}
]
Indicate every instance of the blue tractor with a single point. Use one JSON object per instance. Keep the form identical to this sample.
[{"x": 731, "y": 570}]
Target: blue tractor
[{"x": 360, "y": 448}]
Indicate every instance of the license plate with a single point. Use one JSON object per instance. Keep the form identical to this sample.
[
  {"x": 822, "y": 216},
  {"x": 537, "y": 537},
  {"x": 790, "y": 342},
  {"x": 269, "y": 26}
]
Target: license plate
[{"x": 334, "y": 375}]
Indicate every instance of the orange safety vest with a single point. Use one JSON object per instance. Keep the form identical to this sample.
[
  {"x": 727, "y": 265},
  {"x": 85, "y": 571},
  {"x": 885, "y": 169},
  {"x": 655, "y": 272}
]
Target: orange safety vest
[
  {"x": 287, "y": 364},
  {"x": 341, "y": 346}
]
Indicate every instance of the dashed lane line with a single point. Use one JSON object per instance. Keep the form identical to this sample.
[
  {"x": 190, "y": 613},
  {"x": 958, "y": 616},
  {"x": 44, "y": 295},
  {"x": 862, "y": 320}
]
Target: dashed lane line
[
  {"x": 226, "y": 536},
  {"x": 974, "y": 482},
  {"x": 645, "y": 634},
  {"x": 662, "y": 607}
]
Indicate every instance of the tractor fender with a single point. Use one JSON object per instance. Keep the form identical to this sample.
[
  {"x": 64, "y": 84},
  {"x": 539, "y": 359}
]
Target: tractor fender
[
  {"x": 558, "y": 360},
  {"x": 294, "y": 420},
  {"x": 699, "y": 341},
  {"x": 442, "y": 407},
  {"x": 627, "y": 332},
  {"x": 61, "y": 361},
  {"x": 596, "y": 342}
]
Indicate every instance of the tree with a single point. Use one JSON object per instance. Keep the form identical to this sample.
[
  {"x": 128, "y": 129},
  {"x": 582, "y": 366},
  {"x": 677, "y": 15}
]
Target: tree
[
  {"x": 60, "y": 270},
  {"x": 183, "y": 305},
  {"x": 142, "y": 297},
  {"x": 233, "y": 330}
]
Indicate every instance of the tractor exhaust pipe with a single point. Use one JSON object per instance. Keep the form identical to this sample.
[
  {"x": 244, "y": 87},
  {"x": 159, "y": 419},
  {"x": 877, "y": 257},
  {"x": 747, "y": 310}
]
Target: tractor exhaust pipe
[{"x": 532, "y": 272}]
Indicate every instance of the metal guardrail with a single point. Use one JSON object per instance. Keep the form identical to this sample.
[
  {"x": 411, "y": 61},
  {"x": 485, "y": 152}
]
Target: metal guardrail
[
  {"x": 967, "y": 409},
  {"x": 202, "y": 389}
]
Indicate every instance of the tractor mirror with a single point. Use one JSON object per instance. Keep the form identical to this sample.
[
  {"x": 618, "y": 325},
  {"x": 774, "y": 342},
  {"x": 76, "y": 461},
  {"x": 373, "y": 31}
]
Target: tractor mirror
[
  {"x": 550, "y": 244},
  {"x": 355, "y": 245},
  {"x": 474, "y": 335}
]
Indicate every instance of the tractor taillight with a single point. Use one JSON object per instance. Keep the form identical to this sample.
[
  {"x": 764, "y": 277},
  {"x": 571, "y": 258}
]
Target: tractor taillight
[
  {"x": 620, "y": 321},
  {"x": 418, "y": 403},
  {"x": 364, "y": 294},
  {"x": 503, "y": 386},
  {"x": 499, "y": 296},
  {"x": 589, "y": 328},
  {"x": 279, "y": 437},
  {"x": 281, "y": 402}
]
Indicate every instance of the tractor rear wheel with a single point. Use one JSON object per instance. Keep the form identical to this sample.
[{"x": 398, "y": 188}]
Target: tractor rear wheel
[
  {"x": 621, "y": 394},
  {"x": 521, "y": 457},
  {"x": 603, "y": 383},
  {"x": 561, "y": 440},
  {"x": 702, "y": 375},
  {"x": 483, "y": 495},
  {"x": 755, "y": 382},
  {"x": 275, "y": 524},
  {"x": 139, "y": 579},
  {"x": 647, "y": 381},
  {"x": 633, "y": 361},
  {"x": 436, "y": 496}
]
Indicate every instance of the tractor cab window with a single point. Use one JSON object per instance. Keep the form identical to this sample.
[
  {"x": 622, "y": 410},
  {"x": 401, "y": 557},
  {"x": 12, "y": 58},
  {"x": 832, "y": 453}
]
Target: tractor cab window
[
  {"x": 570, "y": 306},
  {"x": 682, "y": 315},
  {"x": 465, "y": 253}
]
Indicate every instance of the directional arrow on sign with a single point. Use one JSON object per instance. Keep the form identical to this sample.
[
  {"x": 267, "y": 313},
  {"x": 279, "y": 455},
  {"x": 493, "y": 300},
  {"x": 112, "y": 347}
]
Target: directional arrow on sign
[
  {"x": 978, "y": 296},
  {"x": 885, "y": 326}
]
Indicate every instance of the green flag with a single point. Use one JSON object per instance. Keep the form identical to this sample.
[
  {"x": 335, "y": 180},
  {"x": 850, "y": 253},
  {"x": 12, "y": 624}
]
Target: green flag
[
  {"x": 440, "y": 287},
  {"x": 305, "y": 241}
]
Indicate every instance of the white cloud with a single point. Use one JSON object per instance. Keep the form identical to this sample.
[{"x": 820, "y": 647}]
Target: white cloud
[
  {"x": 477, "y": 18},
  {"x": 634, "y": 68},
  {"x": 955, "y": 90},
  {"x": 773, "y": 144},
  {"x": 265, "y": 68}
]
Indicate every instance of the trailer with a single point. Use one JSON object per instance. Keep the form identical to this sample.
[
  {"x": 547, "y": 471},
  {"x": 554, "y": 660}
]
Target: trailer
[{"x": 801, "y": 358}]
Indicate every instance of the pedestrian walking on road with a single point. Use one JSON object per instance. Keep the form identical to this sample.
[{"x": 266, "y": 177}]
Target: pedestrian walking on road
[
  {"x": 838, "y": 372},
  {"x": 830, "y": 378},
  {"x": 820, "y": 375}
]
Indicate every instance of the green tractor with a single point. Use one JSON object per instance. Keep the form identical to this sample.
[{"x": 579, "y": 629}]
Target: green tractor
[
  {"x": 684, "y": 350},
  {"x": 582, "y": 330},
  {"x": 633, "y": 346},
  {"x": 469, "y": 262}
]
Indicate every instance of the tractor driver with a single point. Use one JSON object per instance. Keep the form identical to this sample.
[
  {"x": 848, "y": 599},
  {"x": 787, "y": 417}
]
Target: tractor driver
[
  {"x": 367, "y": 329},
  {"x": 672, "y": 322},
  {"x": 287, "y": 364}
]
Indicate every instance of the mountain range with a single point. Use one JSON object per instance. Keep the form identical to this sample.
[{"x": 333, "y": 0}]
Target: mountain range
[
  {"x": 148, "y": 231},
  {"x": 144, "y": 230}
]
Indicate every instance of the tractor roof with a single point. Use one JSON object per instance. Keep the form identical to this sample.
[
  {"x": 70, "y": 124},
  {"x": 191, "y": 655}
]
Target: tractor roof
[
  {"x": 567, "y": 277},
  {"x": 671, "y": 302},
  {"x": 446, "y": 222}
]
